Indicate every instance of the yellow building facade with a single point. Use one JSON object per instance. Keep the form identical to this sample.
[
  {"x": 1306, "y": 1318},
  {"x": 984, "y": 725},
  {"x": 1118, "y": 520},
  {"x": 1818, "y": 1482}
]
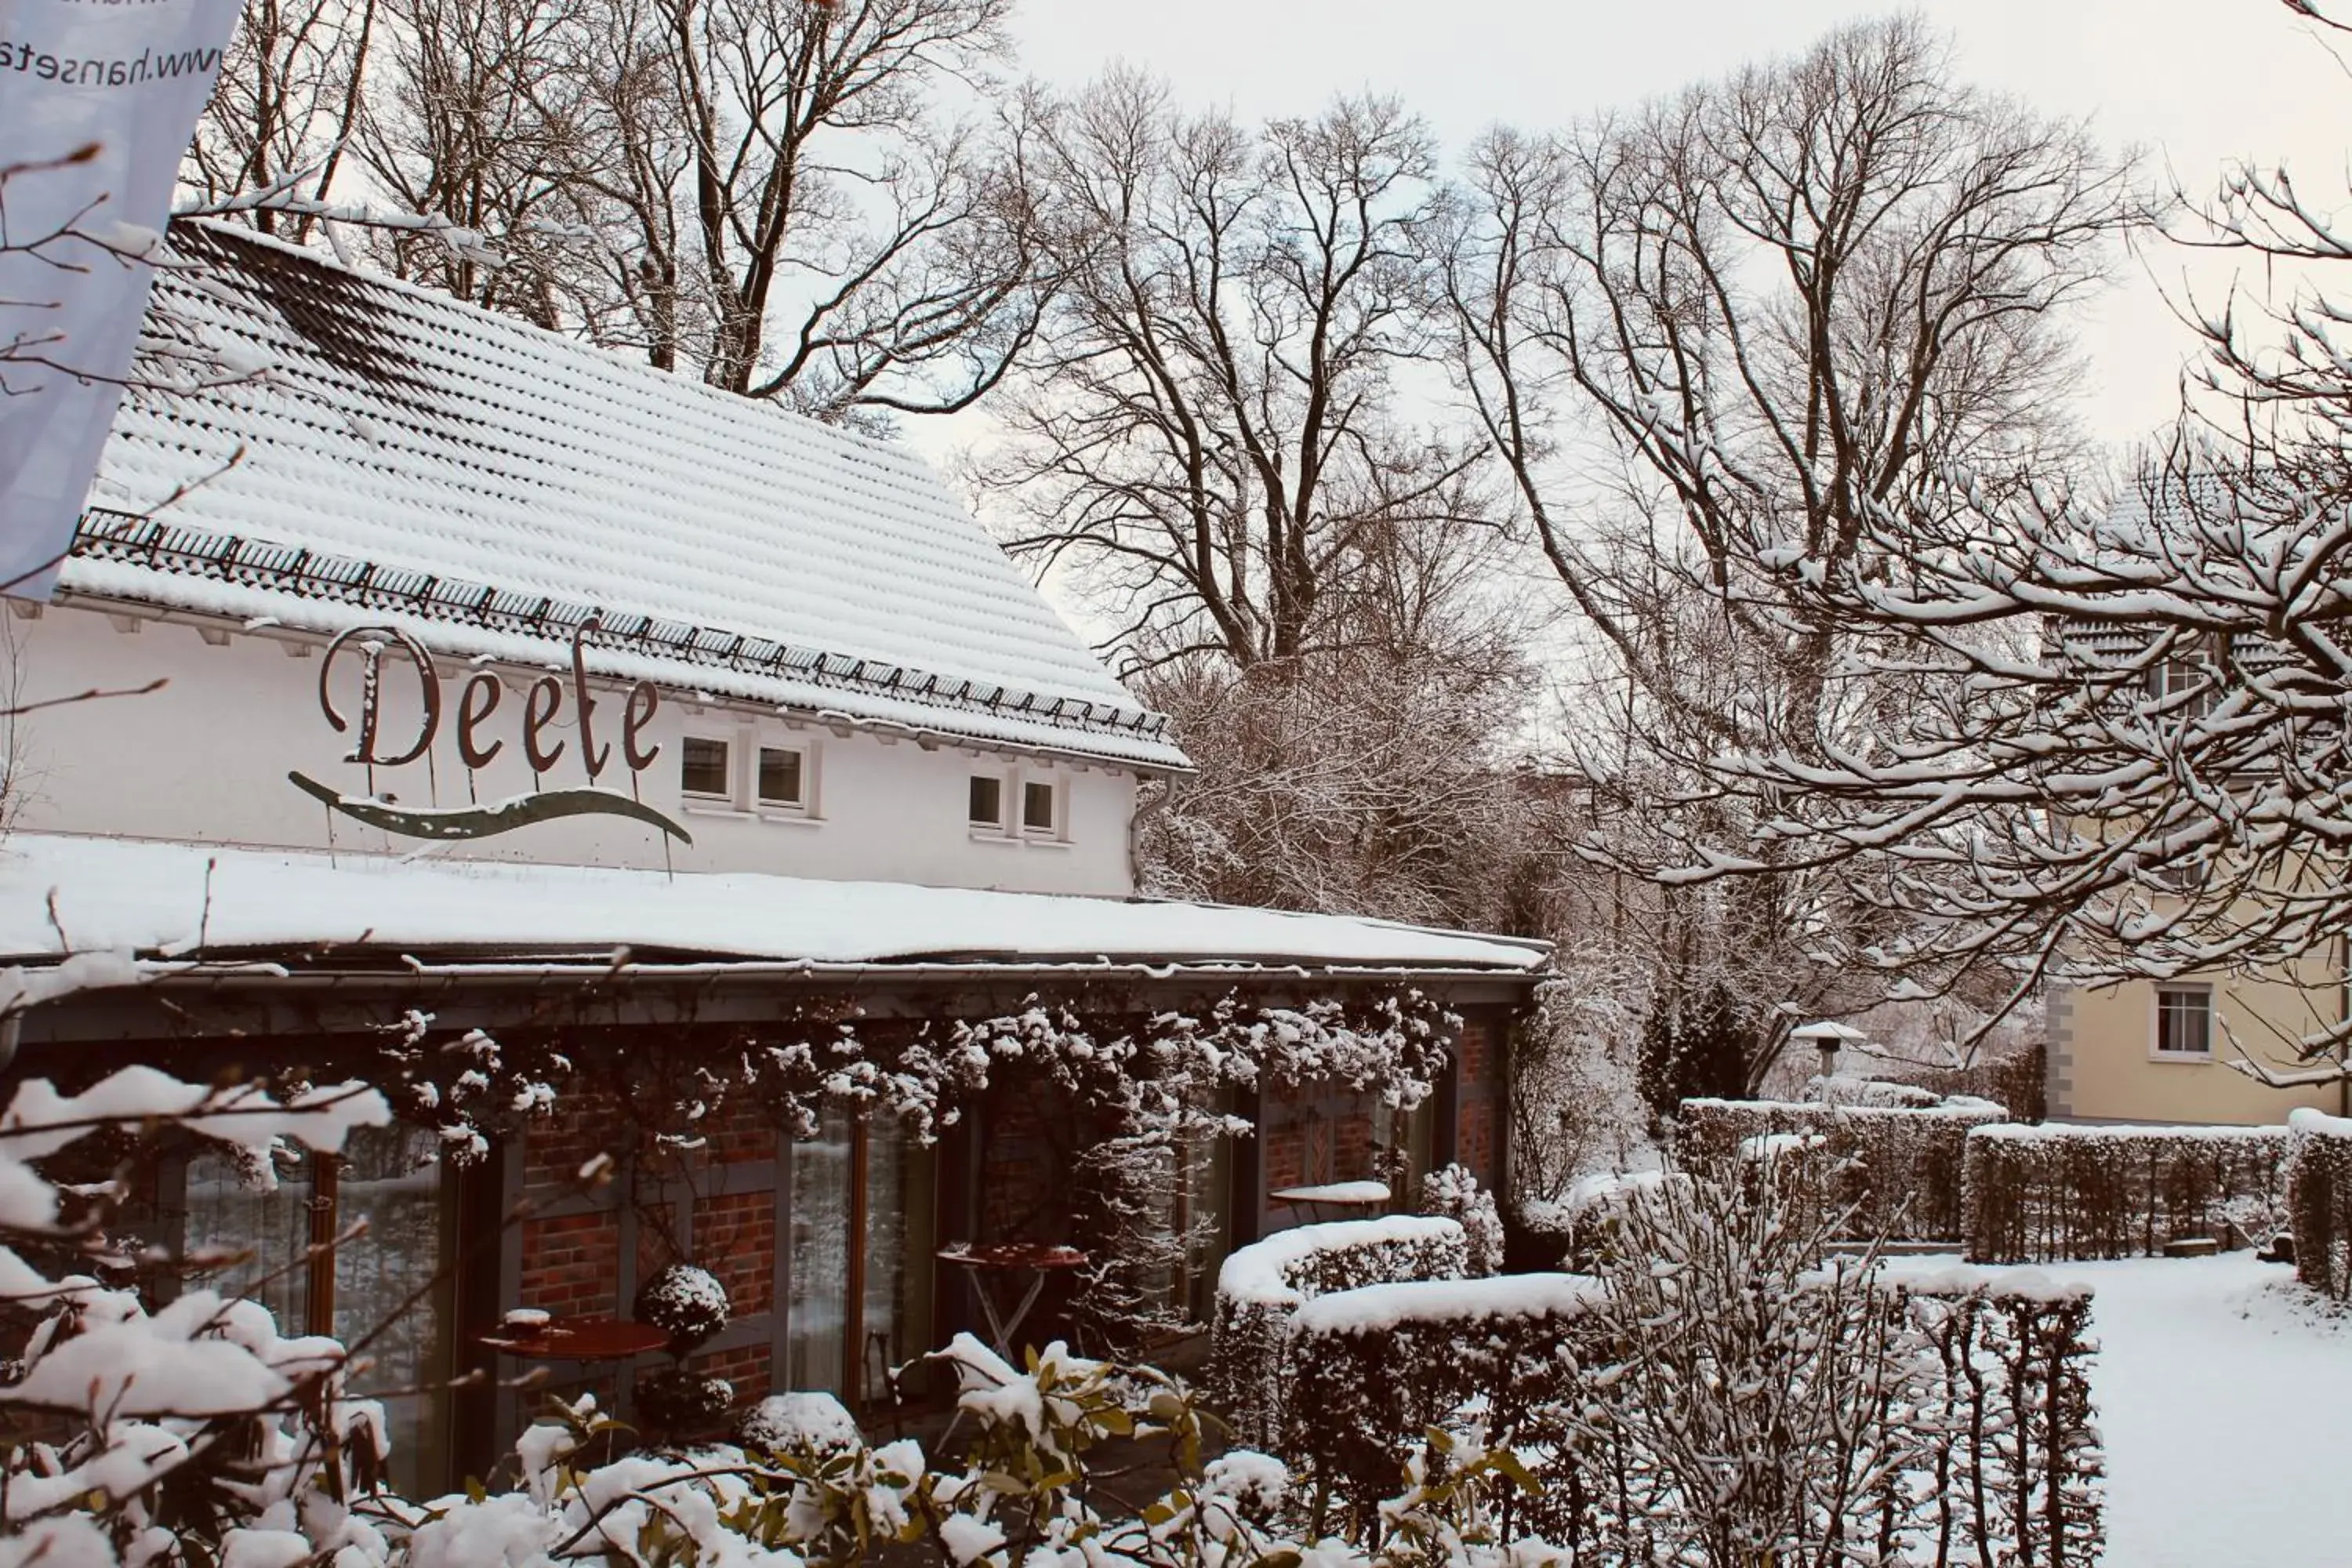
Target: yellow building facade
[{"x": 2150, "y": 1051}]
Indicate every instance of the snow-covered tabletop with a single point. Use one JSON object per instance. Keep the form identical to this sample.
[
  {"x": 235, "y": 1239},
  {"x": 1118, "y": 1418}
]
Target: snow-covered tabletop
[{"x": 1337, "y": 1194}]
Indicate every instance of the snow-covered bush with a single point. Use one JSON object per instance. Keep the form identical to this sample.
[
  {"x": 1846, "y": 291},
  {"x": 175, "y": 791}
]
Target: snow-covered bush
[
  {"x": 1261, "y": 1286},
  {"x": 803, "y": 1422},
  {"x": 1021, "y": 1492},
  {"x": 2050, "y": 1192},
  {"x": 1451, "y": 1190},
  {"x": 685, "y": 1303},
  {"x": 673, "y": 1403},
  {"x": 189, "y": 1432},
  {"x": 1898, "y": 1173},
  {"x": 2319, "y": 1200}
]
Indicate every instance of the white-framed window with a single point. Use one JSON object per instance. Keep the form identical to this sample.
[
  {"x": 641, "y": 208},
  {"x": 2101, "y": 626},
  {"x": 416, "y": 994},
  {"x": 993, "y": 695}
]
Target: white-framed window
[
  {"x": 2194, "y": 667},
  {"x": 706, "y": 769},
  {"x": 1041, "y": 804},
  {"x": 783, "y": 781},
  {"x": 2184, "y": 1021},
  {"x": 987, "y": 801}
]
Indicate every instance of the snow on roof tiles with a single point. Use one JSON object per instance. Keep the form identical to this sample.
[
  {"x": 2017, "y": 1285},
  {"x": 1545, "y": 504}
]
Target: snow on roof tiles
[
  {"x": 157, "y": 897},
  {"x": 377, "y": 428}
]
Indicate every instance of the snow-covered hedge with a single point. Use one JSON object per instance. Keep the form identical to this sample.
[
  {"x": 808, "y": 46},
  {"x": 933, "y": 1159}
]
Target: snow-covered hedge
[
  {"x": 1898, "y": 1170},
  {"x": 1977, "y": 1442},
  {"x": 2319, "y": 1200},
  {"x": 2041, "y": 1193},
  {"x": 1376, "y": 1368},
  {"x": 1262, "y": 1286}
]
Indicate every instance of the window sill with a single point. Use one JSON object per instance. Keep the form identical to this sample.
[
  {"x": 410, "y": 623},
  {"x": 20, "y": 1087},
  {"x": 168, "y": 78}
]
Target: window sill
[
  {"x": 2182, "y": 1059},
  {"x": 1014, "y": 841},
  {"x": 788, "y": 817},
  {"x": 713, "y": 808}
]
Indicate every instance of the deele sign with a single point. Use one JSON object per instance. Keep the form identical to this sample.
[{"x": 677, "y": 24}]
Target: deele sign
[{"x": 478, "y": 746}]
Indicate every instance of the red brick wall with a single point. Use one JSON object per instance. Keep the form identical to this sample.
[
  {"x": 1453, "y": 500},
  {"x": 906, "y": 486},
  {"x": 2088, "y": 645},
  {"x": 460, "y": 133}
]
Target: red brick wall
[
  {"x": 1286, "y": 1157},
  {"x": 587, "y": 1123},
  {"x": 1475, "y": 1140},
  {"x": 1479, "y": 1102},
  {"x": 748, "y": 1367},
  {"x": 572, "y": 1264},
  {"x": 735, "y": 1236}
]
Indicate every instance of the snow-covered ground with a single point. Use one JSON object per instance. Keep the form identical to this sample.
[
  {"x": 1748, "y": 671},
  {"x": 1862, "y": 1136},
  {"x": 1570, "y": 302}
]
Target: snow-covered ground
[{"x": 2225, "y": 1399}]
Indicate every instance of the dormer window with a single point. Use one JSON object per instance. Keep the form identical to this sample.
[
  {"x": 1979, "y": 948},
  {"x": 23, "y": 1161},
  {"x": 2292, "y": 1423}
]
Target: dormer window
[
  {"x": 987, "y": 801},
  {"x": 1037, "y": 806},
  {"x": 706, "y": 770}
]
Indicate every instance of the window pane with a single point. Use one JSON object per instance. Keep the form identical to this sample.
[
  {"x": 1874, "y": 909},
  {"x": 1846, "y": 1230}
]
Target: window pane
[
  {"x": 819, "y": 1309},
  {"x": 1037, "y": 806},
  {"x": 704, "y": 769},
  {"x": 2184, "y": 1022},
  {"x": 779, "y": 776},
  {"x": 898, "y": 1244},
  {"x": 227, "y": 1213},
  {"x": 987, "y": 799},
  {"x": 396, "y": 1275}
]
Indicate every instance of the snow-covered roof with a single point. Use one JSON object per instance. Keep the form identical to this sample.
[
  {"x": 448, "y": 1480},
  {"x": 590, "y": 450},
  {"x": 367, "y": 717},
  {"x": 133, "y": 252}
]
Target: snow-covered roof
[
  {"x": 61, "y": 893},
  {"x": 354, "y": 450}
]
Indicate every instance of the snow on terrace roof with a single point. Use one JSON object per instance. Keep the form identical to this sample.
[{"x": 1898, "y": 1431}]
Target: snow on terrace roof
[
  {"x": 163, "y": 899},
  {"x": 412, "y": 461}
]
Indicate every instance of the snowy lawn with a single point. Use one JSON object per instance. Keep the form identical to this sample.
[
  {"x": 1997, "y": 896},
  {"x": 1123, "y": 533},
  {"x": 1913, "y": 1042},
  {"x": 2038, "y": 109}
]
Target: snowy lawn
[{"x": 2225, "y": 1401}]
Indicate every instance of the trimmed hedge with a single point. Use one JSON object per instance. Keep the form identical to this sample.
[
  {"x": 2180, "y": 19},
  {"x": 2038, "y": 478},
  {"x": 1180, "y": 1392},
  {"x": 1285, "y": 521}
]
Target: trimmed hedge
[
  {"x": 2319, "y": 1200},
  {"x": 1262, "y": 1286},
  {"x": 1900, "y": 1171},
  {"x": 1990, "y": 1414},
  {"x": 2038, "y": 1194}
]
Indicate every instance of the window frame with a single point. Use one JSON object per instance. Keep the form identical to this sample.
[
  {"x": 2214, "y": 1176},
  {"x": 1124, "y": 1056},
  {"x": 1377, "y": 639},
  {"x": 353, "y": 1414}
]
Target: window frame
[
  {"x": 804, "y": 803},
  {"x": 2203, "y": 996},
  {"x": 1052, "y": 826},
  {"x": 730, "y": 798},
  {"x": 998, "y": 825}
]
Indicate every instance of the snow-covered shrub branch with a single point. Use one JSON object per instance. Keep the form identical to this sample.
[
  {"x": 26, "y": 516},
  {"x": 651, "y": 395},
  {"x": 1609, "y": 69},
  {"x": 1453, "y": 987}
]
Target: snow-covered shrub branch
[
  {"x": 1023, "y": 1490},
  {"x": 2041, "y": 1193},
  {"x": 1897, "y": 1172},
  {"x": 1261, "y": 1286},
  {"x": 132, "y": 1433},
  {"x": 2319, "y": 1200}
]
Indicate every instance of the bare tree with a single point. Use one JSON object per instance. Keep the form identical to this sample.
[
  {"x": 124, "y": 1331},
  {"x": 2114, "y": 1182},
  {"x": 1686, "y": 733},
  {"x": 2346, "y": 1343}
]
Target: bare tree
[
  {"x": 1716, "y": 342},
  {"x": 828, "y": 236},
  {"x": 482, "y": 112},
  {"x": 1210, "y": 434},
  {"x": 284, "y": 110}
]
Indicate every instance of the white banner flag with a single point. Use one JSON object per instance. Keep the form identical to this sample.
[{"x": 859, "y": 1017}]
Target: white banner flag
[{"x": 97, "y": 100}]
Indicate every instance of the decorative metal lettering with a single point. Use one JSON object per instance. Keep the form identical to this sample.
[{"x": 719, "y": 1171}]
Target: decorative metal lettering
[
  {"x": 477, "y": 702},
  {"x": 482, "y": 821}
]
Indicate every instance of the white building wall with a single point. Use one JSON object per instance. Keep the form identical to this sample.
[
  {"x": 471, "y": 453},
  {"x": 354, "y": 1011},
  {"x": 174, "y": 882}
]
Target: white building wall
[{"x": 207, "y": 757}]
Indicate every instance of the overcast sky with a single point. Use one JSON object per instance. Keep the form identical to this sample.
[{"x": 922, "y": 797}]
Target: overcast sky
[{"x": 2195, "y": 81}]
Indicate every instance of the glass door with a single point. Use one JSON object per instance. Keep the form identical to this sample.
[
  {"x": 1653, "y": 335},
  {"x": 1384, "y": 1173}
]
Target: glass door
[{"x": 861, "y": 1258}]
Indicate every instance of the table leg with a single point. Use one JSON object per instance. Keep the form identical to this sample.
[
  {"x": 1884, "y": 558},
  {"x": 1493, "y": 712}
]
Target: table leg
[
  {"x": 997, "y": 1332},
  {"x": 1012, "y": 1326}
]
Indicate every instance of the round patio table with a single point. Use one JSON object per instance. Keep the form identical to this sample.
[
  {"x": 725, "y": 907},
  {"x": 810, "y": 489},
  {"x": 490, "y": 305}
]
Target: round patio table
[
  {"x": 1345, "y": 1197},
  {"x": 577, "y": 1339},
  {"x": 990, "y": 1261}
]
